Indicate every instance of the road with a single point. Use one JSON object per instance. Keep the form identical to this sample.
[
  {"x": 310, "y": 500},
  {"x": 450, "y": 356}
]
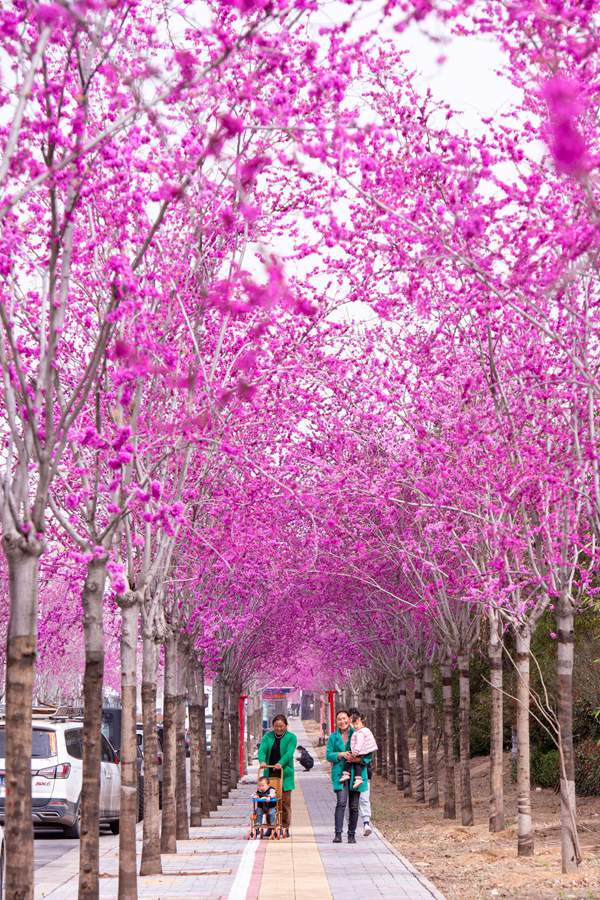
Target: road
[{"x": 50, "y": 844}]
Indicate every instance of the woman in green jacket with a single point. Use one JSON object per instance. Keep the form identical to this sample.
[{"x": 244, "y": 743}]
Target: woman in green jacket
[
  {"x": 277, "y": 749},
  {"x": 338, "y": 751}
]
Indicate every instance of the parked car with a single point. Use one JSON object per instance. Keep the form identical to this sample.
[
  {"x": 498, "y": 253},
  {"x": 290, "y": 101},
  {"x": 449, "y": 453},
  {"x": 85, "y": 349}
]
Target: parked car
[
  {"x": 159, "y": 732},
  {"x": 112, "y": 730},
  {"x": 56, "y": 776},
  {"x": 111, "y": 725},
  {"x": 208, "y": 722},
  {"x": 139, "y": 736}
]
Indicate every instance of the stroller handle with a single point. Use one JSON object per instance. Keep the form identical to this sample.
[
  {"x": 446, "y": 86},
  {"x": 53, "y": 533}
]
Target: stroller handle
[{"x": 279, "y": 770}]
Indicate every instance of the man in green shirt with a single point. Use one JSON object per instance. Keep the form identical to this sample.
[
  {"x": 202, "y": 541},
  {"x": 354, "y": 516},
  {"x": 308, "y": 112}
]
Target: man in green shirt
[{"x": 277, "y": 749}]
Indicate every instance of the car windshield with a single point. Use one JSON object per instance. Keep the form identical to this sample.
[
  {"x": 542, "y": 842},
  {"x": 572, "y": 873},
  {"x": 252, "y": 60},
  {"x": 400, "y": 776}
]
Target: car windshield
[{"x": 43, "y": 743}]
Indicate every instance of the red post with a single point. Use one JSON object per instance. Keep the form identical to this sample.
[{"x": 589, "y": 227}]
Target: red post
[
  {"x": 242, "y": 729},
  {"x": 331, "y": 695}
]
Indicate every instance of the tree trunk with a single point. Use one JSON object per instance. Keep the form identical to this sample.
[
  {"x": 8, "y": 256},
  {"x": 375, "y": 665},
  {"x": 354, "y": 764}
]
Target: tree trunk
[
  {"x": 225, "y": 742},
  {"x": 22, "y": 557},
  {"x": 182, "y": 818},
  {"x": 419, "y": 768},
  {"x": 204, "y": 773},
  {"x": 390, "y": 711},
  {"x": 151, "y": 862},
  {"x": 128, "y": 750},
  {"x": 569, "y": 841},
  {"x": 198, "y": 800},
  {"x": 258, "y": 727},
  {"x": 93, "y": 629},
  {"x": 244, "y": 731},
  {"x": 168, "y": 839},
  {"x": 234, "y": 728},
  {"x": 448, "y": 708},
  {"x": 466, "y": 799},
  {"x": 433, "y": 793},
  {"x": 249, "y": 732},
  {"x": 216, "y": 745},
  {"x": 496, "y": 724},
  {"x": 403, "y": 711},
  {"x": 524, "y": 822},
  {"x": 381, "y": 761},
  {"x": 399, "y": 779}
]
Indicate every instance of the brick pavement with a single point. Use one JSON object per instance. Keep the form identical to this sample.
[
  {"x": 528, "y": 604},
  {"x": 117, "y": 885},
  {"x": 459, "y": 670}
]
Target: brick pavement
[
  {"x": 369, "y": 869},
  {"x": 293, "y": 868},
  {"x": 218, "y": 862},
  {"x": 204, "y": 867}
]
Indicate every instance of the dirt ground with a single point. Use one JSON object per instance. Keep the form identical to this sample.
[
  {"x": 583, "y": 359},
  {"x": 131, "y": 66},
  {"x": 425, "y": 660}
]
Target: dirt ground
[{"x": 472, "y": 864}]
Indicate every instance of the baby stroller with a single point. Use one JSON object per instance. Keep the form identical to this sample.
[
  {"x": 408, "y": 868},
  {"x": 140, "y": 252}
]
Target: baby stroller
[{"x": 257, "y": 825}]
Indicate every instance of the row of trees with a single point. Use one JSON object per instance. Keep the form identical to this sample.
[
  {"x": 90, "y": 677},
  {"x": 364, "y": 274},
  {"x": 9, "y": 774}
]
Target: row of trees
[{"x": 368, "y": 451}]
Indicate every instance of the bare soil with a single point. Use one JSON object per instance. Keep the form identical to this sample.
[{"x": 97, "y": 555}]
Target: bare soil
[{"x": 469, "y": 863}]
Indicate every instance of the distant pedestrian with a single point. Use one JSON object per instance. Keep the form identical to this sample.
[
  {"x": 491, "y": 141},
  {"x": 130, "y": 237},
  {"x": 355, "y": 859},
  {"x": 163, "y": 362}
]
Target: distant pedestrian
[{"x": 305, "y": 759}]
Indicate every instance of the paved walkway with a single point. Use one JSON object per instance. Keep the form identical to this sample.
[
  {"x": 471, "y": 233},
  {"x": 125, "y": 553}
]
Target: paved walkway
[
  {"x": 218, "y": 862},
  {"x": 369, "y": 869}
]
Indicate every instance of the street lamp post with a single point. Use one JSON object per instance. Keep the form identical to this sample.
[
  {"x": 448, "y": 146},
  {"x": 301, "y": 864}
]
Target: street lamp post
[{"x": 331, "y": 696}]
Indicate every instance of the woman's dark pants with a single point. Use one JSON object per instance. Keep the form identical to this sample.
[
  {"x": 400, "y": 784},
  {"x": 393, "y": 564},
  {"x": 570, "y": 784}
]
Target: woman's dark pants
[
  {"x": 286, "y": 809},
  {"x": 340, "y": 809}
]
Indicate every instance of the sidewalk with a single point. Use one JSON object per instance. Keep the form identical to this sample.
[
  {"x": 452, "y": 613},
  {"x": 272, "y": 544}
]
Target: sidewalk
[
  {"x": 369, "y": 869},
  {"x": 204, "y": 866},
  {"x": 218, "y": 862}
]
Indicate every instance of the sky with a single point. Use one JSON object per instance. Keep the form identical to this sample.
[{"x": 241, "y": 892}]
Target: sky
[{"x": 467, "y": 80}]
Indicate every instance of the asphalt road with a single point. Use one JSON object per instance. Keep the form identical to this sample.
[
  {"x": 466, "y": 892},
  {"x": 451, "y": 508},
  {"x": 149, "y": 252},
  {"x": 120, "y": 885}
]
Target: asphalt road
[{"x": 50, "y": 844}]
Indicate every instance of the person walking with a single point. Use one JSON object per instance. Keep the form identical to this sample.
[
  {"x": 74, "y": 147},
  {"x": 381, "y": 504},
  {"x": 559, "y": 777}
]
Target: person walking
[
  {"x": 276, "y": 751},
  {"x": 364, "y": 803},
  {"x": 338, "y": 752}
]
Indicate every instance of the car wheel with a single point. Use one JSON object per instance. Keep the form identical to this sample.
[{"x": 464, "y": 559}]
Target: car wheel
[
  {"x": 115, "y": 826},
  {"x": 74, "y": 831}
]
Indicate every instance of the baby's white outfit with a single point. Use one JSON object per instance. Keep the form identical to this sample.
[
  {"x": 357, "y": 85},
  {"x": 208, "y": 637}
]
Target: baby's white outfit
[{"x": 363, "y": 742}]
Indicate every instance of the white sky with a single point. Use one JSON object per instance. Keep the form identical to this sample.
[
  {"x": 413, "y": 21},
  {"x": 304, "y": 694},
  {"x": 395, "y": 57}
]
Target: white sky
[{"x": 468, "y": 80}]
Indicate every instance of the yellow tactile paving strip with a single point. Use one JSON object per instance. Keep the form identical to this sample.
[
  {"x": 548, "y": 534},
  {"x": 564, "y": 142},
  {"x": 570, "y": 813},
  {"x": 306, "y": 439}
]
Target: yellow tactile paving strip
[{"x": 293, "y": 869}]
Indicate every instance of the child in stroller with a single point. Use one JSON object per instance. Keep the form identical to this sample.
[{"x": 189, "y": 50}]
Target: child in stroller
[{"x": 264, "y": 808}]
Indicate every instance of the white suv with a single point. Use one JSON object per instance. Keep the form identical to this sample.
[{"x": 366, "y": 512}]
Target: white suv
[{"x": 56, "y": 776}]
